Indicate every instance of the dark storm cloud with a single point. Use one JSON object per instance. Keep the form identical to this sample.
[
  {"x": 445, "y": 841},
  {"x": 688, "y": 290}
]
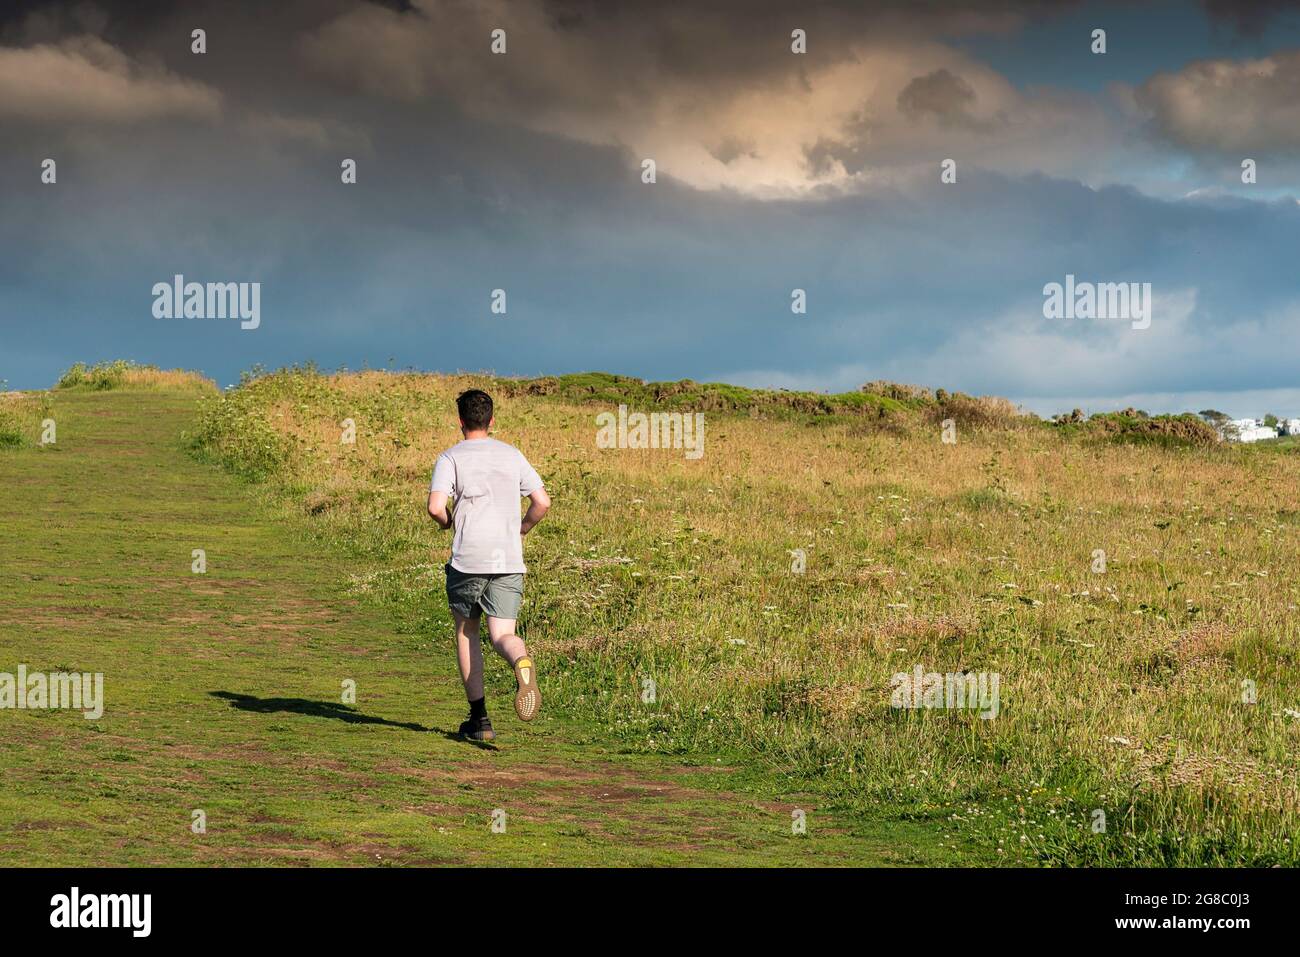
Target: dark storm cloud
[
  {"x": 521, "y": 173},
  {"x": 626, "y": 46},
  {"x": 1250, "y": 16},
  {"x": 941, "y": 94},
  {"x": 602, "y": 274}
]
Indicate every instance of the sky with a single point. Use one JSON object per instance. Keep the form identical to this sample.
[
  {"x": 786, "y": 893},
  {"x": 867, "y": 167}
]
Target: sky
[{"x": 775, "y": 171}]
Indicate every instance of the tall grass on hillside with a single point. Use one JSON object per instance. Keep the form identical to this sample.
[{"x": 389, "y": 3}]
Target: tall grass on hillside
[
  {"x": 21, "y": 414},
  {"x": 122, "y": 373},
  {"x": 1133, "y": 599},
  {"x": 876, "y": 400}
]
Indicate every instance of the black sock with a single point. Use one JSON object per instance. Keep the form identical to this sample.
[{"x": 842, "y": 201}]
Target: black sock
[{"x": 478, "y": 709}]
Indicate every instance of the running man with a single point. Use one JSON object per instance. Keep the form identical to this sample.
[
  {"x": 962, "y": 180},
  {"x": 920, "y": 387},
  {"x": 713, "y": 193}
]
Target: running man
[{"x": 484, "y": 480}]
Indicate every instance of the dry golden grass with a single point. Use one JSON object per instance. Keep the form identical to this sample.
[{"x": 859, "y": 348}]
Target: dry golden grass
[
  {"x": 123, "y": 374},
  {"x": 150, "y": 378}
]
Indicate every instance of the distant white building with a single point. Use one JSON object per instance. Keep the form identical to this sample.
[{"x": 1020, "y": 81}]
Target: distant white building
[
  {"x": 1251, "y": 430},
  {"x": 1290, "y": 426}
]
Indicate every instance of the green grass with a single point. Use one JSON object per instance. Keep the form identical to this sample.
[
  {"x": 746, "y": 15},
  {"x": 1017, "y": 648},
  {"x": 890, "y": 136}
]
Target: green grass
[{"x": 223, "y": 692}]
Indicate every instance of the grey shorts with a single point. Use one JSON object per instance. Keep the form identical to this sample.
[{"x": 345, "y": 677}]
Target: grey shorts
[{"x": 498, "y": 595}]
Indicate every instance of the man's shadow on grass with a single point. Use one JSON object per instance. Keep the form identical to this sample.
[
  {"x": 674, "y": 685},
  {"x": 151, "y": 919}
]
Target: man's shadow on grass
[{"x": 328, "y": 709}]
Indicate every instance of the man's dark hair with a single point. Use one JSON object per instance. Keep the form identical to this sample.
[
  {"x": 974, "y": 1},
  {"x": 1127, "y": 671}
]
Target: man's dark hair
[{"x": 475, "y": 408}]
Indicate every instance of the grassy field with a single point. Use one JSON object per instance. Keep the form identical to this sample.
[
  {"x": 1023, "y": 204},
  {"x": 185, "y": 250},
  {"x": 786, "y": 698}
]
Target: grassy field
[
  {"x": 1121, "y": 690},
  {"x": 1124, "y": 684},
  {"x": 224, "y": 690}
]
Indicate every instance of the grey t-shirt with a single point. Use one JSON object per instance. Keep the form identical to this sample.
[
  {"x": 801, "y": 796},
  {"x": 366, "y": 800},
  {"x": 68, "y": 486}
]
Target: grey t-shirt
[{"x": 485, "y": 478}]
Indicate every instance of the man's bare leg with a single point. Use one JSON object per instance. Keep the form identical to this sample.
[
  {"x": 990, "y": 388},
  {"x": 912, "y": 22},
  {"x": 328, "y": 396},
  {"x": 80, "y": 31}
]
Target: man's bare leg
[
  {"x": 469, "y": 656},
  {"x": 528, "y": 700},
  {"x": 478, "y": 727},
  {"x": 507, "y": 644}
]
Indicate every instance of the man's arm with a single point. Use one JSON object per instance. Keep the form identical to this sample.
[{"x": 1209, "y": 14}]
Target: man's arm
[
  {"x": 539, "y": 503},
  {"x": 438, "y": 510}
]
